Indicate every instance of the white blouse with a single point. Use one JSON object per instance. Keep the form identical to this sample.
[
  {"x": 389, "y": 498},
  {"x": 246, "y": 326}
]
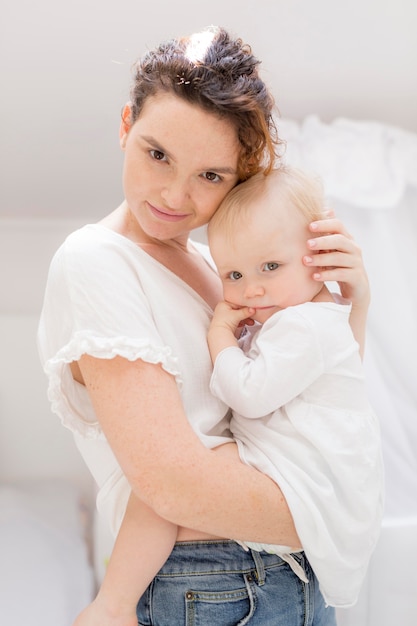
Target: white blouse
[{"x": 105, "y": 296}]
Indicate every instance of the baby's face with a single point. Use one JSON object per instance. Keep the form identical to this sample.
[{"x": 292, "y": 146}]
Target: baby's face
[{"x": 261, "y": 263}]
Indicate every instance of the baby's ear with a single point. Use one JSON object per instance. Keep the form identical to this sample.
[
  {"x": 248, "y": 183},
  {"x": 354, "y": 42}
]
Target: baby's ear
[{"x": 125, "y": 125}]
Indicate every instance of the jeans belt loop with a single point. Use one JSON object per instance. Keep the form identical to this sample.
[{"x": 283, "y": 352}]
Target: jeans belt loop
[{"x": 259, "y": 567}]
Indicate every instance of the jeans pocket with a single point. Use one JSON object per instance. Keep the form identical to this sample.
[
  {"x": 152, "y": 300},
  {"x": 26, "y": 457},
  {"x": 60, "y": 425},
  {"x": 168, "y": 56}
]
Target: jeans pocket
[{"x": 234, "y": 607}]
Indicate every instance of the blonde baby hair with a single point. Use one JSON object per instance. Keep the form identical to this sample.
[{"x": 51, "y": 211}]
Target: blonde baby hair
[{"x": 289, "y": 185}]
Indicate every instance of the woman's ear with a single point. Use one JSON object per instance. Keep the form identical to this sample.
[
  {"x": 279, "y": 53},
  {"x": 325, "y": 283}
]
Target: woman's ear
[{"x": 125, "y": 125}]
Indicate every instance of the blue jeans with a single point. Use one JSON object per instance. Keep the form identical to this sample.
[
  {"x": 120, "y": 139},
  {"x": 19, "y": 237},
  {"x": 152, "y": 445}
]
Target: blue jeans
[{"x": 217, "y": 583}]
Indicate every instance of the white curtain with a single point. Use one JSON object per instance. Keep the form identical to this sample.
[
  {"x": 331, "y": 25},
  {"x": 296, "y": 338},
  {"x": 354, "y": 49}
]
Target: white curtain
[{"x": 369, "y": 172}]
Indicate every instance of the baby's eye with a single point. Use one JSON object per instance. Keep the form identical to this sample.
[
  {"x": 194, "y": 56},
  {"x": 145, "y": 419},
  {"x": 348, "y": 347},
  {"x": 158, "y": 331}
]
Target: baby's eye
[
  {"x": 235, "y": 275},
  {"x": 212, "y": 177},
  {"x": 157, "y": 155},
  {"x": 270, "y": 266}
]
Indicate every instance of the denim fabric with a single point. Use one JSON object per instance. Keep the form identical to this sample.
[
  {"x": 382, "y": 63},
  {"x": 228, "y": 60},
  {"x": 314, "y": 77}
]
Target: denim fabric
[{"x": 217, "y": 583}]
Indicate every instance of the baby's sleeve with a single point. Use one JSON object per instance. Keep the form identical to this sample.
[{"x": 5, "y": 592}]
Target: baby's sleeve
[{"x": 283, "y": 358}]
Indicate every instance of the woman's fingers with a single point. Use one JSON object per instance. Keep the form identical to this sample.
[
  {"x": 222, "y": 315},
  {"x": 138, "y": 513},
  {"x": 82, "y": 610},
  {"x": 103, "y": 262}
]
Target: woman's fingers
[
  {"x": 330, "y": 226},
  {"x": 336, "y": 257}
]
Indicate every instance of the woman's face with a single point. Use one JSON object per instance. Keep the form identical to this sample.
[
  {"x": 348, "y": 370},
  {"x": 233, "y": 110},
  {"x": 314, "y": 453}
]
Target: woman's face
[{"x": 180, "y": 162}]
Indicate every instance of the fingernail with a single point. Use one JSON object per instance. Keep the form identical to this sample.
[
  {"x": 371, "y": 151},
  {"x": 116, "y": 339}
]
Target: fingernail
[
  {"x": 308, "y": 259},
  {"x": 311, "y": 243}
]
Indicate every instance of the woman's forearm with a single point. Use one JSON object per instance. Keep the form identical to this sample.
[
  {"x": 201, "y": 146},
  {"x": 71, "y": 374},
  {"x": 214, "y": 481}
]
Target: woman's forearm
[
  {"x": 226, "y": 498},
  {"x": 141, "y": 414},
  {"x": 357, "y": 320}
]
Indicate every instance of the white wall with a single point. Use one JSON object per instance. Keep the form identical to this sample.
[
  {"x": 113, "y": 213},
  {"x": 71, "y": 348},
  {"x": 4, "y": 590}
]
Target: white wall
[
  {"x": 65, "y": 73},
  {"x": 33, "y": 444}
]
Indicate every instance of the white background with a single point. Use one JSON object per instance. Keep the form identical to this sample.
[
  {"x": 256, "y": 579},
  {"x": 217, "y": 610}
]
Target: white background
[{"x": 65, "y": 74}]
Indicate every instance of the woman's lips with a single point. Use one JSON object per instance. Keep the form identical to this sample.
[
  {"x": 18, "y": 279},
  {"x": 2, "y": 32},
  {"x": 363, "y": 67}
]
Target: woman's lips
[{"x": 166, "y": 215}]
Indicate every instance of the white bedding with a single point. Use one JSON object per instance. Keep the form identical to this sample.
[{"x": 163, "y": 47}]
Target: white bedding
[{"x": 45, "y": 574}]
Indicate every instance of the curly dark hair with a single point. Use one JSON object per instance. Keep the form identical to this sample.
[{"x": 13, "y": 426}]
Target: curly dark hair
[{"x": 220, "y": 74}]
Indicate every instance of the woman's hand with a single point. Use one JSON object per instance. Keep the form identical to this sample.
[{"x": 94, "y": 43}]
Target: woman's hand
[{"x": 337, "y": 257}]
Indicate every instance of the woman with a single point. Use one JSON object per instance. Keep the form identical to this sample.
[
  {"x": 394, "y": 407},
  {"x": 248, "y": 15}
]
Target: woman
[{"x": 123, "y": 339}]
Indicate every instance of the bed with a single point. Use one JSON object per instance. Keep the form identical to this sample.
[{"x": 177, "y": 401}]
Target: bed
[
  {"x": 45, "y": 568},
  {"x": 46, "y": 495},
  {"x": 53, "y": 546}
]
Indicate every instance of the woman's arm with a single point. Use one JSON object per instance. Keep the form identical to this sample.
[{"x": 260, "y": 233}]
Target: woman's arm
[
  {"x": 141, "y": 414},
  {"x": 340, "y": 260}
]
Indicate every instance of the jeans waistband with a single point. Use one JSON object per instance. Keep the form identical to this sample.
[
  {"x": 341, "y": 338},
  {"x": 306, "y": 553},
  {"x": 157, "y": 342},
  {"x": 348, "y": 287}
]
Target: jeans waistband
[{"x": 218, "y": 556}]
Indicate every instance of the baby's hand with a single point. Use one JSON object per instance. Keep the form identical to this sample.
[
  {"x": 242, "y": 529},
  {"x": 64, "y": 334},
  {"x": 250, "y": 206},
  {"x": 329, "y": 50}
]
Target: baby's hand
[
  {"x": 230, "y": 317},
  {"x": 95, "y": 615},
  {"x": 225, "y": 327}
]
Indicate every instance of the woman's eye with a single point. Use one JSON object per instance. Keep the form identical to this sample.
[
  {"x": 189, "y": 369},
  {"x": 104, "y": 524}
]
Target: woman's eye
[
  {"x": 270, "y": 267},
  {"x": 157, "y": 155},
  {"x": 235, "y": 275},
  {"x": 212, "y": 177}
]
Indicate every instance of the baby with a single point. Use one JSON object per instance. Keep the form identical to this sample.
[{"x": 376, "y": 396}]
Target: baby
[{"x": 294, "y": 379}]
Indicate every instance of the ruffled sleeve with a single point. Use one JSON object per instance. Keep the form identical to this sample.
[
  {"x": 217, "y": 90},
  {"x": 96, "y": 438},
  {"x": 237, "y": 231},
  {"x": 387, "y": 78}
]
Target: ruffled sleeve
[{"x": 98, "y": 301}]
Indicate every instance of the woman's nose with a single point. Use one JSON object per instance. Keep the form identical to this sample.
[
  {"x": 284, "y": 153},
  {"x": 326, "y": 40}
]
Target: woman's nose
[{"x": 175, "y": 193}]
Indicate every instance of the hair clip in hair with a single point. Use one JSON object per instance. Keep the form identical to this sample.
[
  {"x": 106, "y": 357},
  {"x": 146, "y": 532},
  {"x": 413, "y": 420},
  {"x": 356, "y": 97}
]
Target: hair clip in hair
[{"x": 182, "y": 81}]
